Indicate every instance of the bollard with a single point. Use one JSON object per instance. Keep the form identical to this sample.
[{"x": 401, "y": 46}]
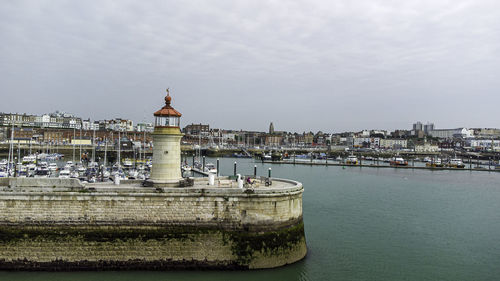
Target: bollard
[
  {"x": 234, "y": 169},
  {"x": 217, "y": 167},
  {"x": 240, "y": 181},
  {"x": 211, "y": 179},
  {"x": 269, "y": 172},
  {"x": 255, "y": 171},
  {"x": 203, "y": 169}
]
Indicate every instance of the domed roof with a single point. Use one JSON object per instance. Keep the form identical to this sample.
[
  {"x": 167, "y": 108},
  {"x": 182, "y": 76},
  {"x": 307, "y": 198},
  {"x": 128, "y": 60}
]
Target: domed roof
[{"x": 167, "y": 110}]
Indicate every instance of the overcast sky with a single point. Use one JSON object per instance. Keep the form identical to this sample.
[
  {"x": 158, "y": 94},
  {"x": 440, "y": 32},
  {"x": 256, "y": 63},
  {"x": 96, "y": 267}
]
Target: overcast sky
[{"x": 305, "y": 65}]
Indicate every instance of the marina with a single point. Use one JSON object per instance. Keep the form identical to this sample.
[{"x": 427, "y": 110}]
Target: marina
[
  {"x": 369, "y": 224},
  {"x": 89, "y": 217},
  {"x": 354, "y": 162}
]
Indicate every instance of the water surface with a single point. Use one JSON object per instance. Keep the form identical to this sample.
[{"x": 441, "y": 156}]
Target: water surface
[{"x": 370, "y": 224}]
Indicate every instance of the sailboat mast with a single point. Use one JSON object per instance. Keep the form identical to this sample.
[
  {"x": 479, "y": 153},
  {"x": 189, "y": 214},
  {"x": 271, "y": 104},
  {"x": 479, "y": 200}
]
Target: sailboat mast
[
  {"x": 74, "y": 135},
  {"x": 105, "y": 150},
  {"x": 81, "y": 143},
  {"x": 93, "y": 146},
  {"x": 11, "y": 146},
  {"x": 119, "y": 149}
]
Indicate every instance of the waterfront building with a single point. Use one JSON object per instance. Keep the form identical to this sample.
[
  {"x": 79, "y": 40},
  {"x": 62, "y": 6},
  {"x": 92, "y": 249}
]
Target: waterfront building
[
  {"x": 366, "y": 142},
  {"x": 118, "y": 124},
  {"x": 393, "y": 143},
  {"x": 144, "y": 127},
  {"x": 273, "y": 140},
  {"x": 90, "y": 125},
  {"x": 197, "y": 129},
  {"x": 9, "y": 119},
  {"x": 483, "y": 144},
  {"x": 426, "y": 147}
]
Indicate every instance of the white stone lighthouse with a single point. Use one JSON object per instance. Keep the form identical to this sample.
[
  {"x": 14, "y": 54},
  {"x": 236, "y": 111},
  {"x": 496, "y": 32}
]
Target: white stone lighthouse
[{"x": 166, "y": 170}]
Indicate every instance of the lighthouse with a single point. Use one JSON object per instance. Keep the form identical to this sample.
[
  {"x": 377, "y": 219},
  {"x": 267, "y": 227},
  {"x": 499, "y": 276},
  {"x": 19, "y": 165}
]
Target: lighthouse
[{"x": 166, "y": 170}]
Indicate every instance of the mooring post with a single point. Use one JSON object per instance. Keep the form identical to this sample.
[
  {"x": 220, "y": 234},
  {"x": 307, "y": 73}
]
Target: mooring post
[
  {"x": 255, "y": 171},
  {"x": 470, "y": 162},
  {"x": 193, "y": 161},
  {"x": 217, "y": 167},
  {"x": 269, "y": 173},
  {"x": 203, "y": 169},
  {"x": 234, "y": 169}
]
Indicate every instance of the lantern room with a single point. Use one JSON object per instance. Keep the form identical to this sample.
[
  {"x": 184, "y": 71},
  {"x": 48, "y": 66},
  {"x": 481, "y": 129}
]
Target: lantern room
[{"x": 167, "y": 116}]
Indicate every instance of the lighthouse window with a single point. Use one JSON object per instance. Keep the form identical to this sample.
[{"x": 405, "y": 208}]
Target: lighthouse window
[{"x": 170, "y": 121}]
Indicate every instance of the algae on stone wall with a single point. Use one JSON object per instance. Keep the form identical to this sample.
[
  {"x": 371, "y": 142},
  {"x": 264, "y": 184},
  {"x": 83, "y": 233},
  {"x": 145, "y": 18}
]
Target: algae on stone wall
[{"x": 151, "y": 247}]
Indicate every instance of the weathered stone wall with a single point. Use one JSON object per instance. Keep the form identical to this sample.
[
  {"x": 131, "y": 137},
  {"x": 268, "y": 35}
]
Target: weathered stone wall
[
  {"x": 200, "y": 207},
  {"x": 190, "y": 227},
  {"x": 143, "y": 247}
]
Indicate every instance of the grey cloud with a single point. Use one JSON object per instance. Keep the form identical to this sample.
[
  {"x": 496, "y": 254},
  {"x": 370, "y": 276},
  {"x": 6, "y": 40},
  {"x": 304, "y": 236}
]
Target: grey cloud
[{"x": 319, "y": 65}]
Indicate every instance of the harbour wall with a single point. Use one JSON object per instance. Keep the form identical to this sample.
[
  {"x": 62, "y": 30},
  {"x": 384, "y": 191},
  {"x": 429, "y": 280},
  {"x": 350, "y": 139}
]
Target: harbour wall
[{"x": 129, "y": 229}]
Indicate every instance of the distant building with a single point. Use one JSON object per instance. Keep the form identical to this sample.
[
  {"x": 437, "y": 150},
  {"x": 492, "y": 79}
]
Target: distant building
[
  {"x": 197, "y": 129},
  {"x": 417, "y": 126},
  {"x": 144, "y": 127},
  {"x": 452, "y": 133},
  {"x": 393, "y": 143},
  {"x": 484, "y": 144},
  {"x": 428, "y": 128},
  {"x": 487, "y": 133},
  {"x": 271, "y": 128},
  {"x": 426, "y": 147},
  {"x": 273, "y": 140},
  {"x": 366, "y": 142}
]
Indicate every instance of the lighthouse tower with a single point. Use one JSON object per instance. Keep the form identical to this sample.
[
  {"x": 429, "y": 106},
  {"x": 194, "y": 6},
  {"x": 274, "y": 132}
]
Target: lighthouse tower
[{"x": 166, "y": 170}]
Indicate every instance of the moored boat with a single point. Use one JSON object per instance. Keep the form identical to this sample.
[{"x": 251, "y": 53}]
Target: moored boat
[
  {"x": 435, "y": 163},
  {"x": 456, "y": 163},
  {"x": 64, "y": 174},
  {"x": 398, "y": 161},
  {"x": 351, "y": 160}
]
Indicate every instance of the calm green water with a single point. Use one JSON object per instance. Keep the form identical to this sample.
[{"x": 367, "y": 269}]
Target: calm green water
[{"x": 370, "y": 224}]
